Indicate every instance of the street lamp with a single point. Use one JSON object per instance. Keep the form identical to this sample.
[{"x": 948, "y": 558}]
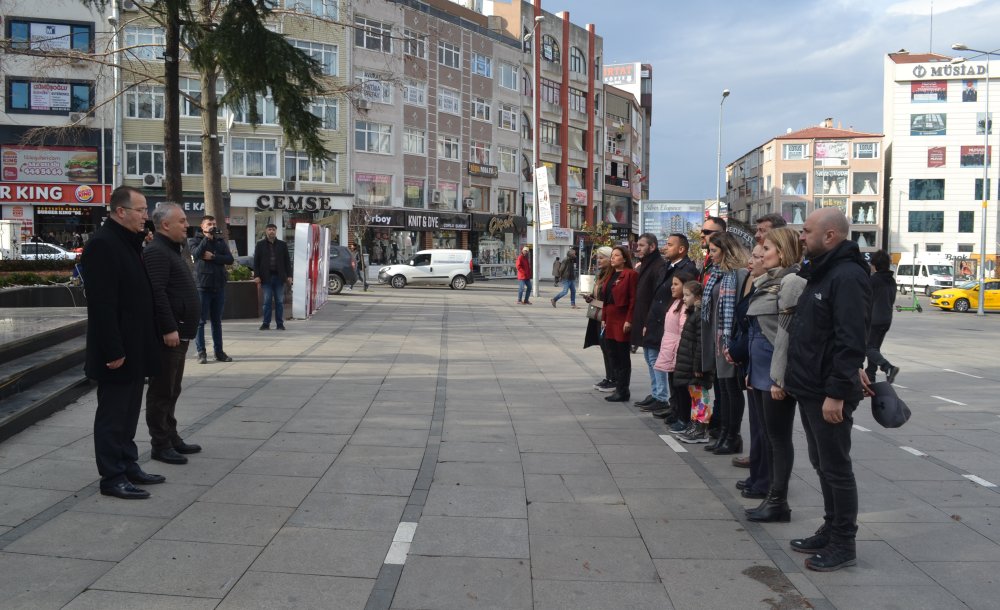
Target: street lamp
[
  {"x": 718, "y": 162},
  {"x": 534, "y": 150},
  {"x": 986, "y": 171}
]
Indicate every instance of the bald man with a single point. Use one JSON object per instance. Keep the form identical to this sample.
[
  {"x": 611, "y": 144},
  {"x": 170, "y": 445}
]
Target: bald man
[{"x": 828, "y": 335}]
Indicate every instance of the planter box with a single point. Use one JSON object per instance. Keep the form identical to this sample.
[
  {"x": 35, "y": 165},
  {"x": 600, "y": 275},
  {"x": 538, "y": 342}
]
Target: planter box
[{"x": 242, "y": 300}]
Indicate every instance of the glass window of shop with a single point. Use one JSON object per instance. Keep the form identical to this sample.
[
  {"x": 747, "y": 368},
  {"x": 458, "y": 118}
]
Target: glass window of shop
[
  {"x": 413, "y": 193},
  {"x": 449, "y": 195},
  {"x": 373, "y": 190},
  {"x": 497, "y": 254},
  {"x": 506, "y": 201},
  {"x": 444, "y": 239}
]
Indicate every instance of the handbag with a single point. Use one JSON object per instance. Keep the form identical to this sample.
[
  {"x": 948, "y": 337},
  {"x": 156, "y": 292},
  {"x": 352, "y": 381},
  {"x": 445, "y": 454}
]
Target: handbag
[{"x": 595, "y": 310}]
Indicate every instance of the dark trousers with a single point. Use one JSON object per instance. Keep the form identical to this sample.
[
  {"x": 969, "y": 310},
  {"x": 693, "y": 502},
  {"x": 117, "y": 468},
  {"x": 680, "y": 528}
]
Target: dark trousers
[
  {"x": 211, "y": 309},
  {"x": 274, "y": 299},
  {"x": 760, "y": 452},
  {"x": 875, "y": 358},
  {"x": 609, "y": 365},
  {"x": 730, "y": 404},
  {"x": 162, "y": 395},
  {"x": 681, "y": 400},
  {"x": 118, "y": 408},
  {"x": 830, "y": 455},
  {"x": 621, "y": 364},
  {"x": 779, "y": 417}
]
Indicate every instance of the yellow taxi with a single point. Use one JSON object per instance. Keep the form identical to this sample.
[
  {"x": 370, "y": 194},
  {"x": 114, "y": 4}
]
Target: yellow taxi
[{"x": 966, "y": 296}]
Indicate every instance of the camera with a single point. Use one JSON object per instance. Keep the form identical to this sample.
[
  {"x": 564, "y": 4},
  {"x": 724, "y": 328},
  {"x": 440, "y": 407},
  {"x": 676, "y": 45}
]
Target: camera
[{"x": 215, "y": 231}]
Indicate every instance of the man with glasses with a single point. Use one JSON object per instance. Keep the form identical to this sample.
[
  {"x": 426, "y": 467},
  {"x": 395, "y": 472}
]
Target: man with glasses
[
  {"x": 712, "y": 225},
  {"x": 122, "y": 347},
  {"x": 211, "y": 255}
]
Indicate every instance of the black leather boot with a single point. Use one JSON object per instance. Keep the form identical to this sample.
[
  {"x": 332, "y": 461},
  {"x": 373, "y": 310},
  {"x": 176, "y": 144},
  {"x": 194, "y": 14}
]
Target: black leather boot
[
  {"x": 732, "y": 443},
  {"x": 715, "y": 443},
  {"x": 774, "y": 509}
]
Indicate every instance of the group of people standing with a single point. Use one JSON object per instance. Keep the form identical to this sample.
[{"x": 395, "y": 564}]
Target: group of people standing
[{"x": 782, "y": 322}]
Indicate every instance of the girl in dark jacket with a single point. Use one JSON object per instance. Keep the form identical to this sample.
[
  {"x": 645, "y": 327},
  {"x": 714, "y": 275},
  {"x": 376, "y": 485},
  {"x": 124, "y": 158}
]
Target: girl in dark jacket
[
  {"x": 689, "y": 370},
  {"x": 883, "y": 298}
]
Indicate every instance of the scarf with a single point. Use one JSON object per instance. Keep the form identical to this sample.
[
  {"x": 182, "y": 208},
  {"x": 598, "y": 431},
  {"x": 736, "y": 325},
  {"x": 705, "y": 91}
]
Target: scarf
[
  {"x": 714, "y": 274},
  {"x": 727, "y": 305}
]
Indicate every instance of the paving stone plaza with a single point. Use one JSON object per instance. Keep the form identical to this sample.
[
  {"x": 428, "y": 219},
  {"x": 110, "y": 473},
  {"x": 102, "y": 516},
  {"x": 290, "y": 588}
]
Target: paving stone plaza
[{"x": 431, "y": 448}]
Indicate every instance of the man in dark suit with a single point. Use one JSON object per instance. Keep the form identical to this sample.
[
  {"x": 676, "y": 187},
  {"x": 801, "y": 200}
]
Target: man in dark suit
[
  {"x": 211, "y": 255},
  {"x": 650, "y": 273},
  {"x": 273, "y": 267},
  {"x": 122, "y": 348},
  {"x": 177, "y": 310}
]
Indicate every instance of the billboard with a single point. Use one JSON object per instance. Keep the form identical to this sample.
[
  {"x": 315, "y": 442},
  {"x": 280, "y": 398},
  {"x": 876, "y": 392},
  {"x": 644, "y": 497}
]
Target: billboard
[
  {"x": 621, "y": 74},
  {"x": 59, "y": 164},
  {"x": 661, "y": 218}
]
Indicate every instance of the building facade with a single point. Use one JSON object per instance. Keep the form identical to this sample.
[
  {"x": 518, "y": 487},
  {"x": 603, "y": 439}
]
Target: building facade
[{"x": 624, "y": 151}]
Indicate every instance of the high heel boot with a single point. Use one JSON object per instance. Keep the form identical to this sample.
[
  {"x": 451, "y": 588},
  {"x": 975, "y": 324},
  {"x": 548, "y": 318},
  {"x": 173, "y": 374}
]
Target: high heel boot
[
  {"x": 774, "y": 509},
  {"x": 717, "y": 442},
  {"x": 733, "y": 443}
]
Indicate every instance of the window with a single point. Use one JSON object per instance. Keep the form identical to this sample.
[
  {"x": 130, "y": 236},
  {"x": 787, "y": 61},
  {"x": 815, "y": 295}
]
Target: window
[
  {"x": 299, "y": 168},
  {"x": 255, "y": 157},
  {"x": 550, "y": 49},
  {"x": 979, "y": 188},
  {"x": 373, "y": 190},
  {"x": 794, "y": 152},
  {"x": 575, "y": 177},
  {"x": 267, "y": 112},
  {"x": 926, "y": 222},
  {"x": 372, "y": 137},
  {"x": 935, "y": 248},
  {"x": 479, "y": 152},
  {"x": 965, "y": 247},
  {"x": 506, "y": 199},
  {"x": 508, "y": 117},
  {"x": 577, "y": 100},
  {"x": 449, "y": 55},
  {"x": 372, "y": 35},
  {"x": 414, "y": 141},
  {"x": 447, "y": 198},
  {"x": 48, "y": 97},
  {"x": 866, "y": 150},
  {"x": 329, "y": 9},
  {"x": 481, "y": 109},
  {"x": 526, "y": 128},
  {"x": 191, "y": 155},
  {"x": 449, "y": 100},
  {"x": 508, "y": 159},
  {"x": 550, "y": 91},
  {"x": 414, "y": 44},
  {"x": 966, "y": 222},
  {"x": 374, "y": 87},
  {"x": 413, "y": 193},
  {"x": 793, "y": 183},
  {"x": 448, "y": 148},
  {"x": 143, "y": 159},
  {"x": 50, "y": 35},
  {"x": 508, "y": 76},
  {"x": 144, "y": 102},
  {"x": 414, "y": 92},
  {"x": 190, "y": 89},
  {"x": 553, "y": 171},
  {"x": 927, "y": 189},
  {"x": 577, "y": 138},
  {"x": 326, "y": 54},
  {"x": 328, "y": 110},
  {"x": 145, "y": 43},
  {"x": 482, "y": 65},
  {"x": 577, "y": 61},
  {"x": 548, "y": 132},
  {"x": 865, "y": 183}
]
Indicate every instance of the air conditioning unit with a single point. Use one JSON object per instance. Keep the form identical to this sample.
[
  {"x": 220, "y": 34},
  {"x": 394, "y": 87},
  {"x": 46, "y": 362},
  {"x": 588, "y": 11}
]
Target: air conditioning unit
[
  {"x": 468, "y": 203},
  {"x": 78, "y": 117},
  {"x": 129, "y": 5},
  {"x": 152, "y": 180},
  {"x": 435, "y": 196},
  {"x": 291, "y": 185},
  {"x": 364, "y": 104}
]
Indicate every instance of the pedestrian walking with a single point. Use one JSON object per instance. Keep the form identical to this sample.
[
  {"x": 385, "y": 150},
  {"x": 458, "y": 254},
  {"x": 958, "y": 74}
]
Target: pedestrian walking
[
  {"x": 617, "y": 320},
  {"x": 273, "y": 270},
  {"x": 595, "y": 332},
  {"x": 523, "y": 265},
  {"x": 555, "y": 272},
  {"x": 567, "y": 274},
  {"x": 883, "y": 298},
  {"x": 211, "y": 255}
]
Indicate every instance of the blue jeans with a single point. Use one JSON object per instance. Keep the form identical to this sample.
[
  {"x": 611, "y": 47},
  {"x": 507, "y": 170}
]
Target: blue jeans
[
  {"x": 211, "y": 309},
  {"x": 523, "y": 289},
  {"x": 570, "y": 287},
  {"x": 659, "y": 388},
  {"x": 274, "y": 298}
]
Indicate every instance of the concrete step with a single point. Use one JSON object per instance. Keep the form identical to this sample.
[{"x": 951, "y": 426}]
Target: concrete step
[
  {"x": 26, "y": 371},
  {"x": 39, "y": 401}
]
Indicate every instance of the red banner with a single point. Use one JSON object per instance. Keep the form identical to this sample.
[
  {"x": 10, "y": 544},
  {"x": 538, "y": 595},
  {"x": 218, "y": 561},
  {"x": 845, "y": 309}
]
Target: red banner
[{"x": 84, "y": 194}]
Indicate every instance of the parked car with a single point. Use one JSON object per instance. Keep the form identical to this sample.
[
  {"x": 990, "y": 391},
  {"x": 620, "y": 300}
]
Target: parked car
[
  {"x": 342, "y": 267},
  {"x": 31, "y": 251},
  {"x": 431, "y": 267},
  {"x": 966, "y": 296}
]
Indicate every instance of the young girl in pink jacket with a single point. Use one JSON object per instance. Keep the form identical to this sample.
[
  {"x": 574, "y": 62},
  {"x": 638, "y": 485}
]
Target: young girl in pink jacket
[{"x": 672, "y": 325}]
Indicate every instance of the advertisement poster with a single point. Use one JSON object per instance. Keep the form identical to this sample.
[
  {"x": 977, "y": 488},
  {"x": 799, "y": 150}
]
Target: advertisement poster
[
  {"x": 970, "y": 91},
  {"x": 50, "y": 96},
  {"x": 972, "y": 156},
  {"x": 23, "y": 214},
  {"x": 936, "y": 156},
  {"x": 544, "y": 204},
  {"x": 310, "y": 276},
  {"x": 929, "y": 91},
  {"x": 661, "y": 218},
  {"x": 48, "y": 36},
  {"x": 928, "y": 124},
  {"x": 831, "y": 153},
  {"x": 59, "y": 164}
]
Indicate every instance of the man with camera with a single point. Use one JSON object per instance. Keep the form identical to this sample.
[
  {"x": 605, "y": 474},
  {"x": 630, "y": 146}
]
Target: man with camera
[{"x": 211, "y": 255}]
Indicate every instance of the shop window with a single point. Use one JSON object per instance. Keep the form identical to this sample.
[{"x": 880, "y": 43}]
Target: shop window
[
  {"x": 794, "y": 212},
  {"x": 865, "y": 183},
  {"x": 864, "y": 212},
  {"x": 831, "y": 182},
  {"x": 373, "y": 190},
  {"x": 413, "y": 193}
]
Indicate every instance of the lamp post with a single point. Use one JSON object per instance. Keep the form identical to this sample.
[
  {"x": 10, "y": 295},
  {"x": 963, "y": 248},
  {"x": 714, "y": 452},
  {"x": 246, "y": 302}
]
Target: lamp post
[
  {"x": 534, "y": 150},
  {"x": 986, "y": 171},
  {"x": 718, "y": 160}
]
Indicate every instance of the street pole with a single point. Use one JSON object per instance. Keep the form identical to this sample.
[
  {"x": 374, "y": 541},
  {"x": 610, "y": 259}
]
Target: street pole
[
  {"x": 718, "y": 161},
  {"x": 534, "y": 152}
]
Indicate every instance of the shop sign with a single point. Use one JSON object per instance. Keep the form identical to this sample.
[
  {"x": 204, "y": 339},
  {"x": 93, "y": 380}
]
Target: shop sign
[
  {"x": 193, "y": 207},
  {"x": 49, "y": 164},
  {"x": 936, "y": 70},
  {"x": 437, "y": 221},
  {"x": 507, "y": 224},
  {"x": 620, "y": 74},
  {"x": 85, "y": 194},
  {"x": 297, "y": 203},
  {"x": 486, "y": 171},
  {"x": 384, "y": 218}
]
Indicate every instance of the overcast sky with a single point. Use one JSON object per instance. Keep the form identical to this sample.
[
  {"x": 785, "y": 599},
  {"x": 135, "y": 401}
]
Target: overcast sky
[{"x": 789, "y": 64}]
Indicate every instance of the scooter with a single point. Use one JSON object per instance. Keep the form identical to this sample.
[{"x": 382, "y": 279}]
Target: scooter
[{"x": 916, "y": 304}]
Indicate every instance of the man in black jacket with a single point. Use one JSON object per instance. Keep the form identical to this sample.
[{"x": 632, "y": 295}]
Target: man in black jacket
[
  {"x": 651, "y": 269},
  {"x": 825, "y": 354},
  {"x": 177, "y": 310},
  {"x": 211, "y": 255},
  {"x": 121, "y": 342},
  {"x": 273, "y": 269}
]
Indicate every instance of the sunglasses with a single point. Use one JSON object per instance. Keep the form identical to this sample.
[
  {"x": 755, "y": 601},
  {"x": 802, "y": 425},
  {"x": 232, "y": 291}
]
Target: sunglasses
[{"x": 707, "y": 232}]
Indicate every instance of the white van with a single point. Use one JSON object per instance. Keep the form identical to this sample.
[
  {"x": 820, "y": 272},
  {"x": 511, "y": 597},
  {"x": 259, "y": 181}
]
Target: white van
[
  {"x": 431, "y": 267},
  {"x": 926, "y": 273}
]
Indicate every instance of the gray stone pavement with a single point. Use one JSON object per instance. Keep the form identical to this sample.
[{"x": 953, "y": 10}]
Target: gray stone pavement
[{"x": 427, "y": 448}]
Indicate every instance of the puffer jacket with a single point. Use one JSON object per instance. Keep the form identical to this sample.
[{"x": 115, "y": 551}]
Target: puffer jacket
[
  {"x": 673, "y": 326},
  {"x": 689, "y": 357}
]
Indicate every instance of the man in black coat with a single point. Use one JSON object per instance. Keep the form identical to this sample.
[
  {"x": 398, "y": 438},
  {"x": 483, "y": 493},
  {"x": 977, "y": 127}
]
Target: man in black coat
[
  {"x": 273, "y": 269},
  {"x": 122, "y": 348},
  {"x": 827, "y": 341},
  {"x": 211, "y": 255},
  {"x": 177, "y": 310},
  {"x": 651, "y": 269}
]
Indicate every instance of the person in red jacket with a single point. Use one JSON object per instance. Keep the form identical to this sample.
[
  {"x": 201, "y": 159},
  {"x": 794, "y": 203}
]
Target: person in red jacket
[
  {"x": 523, "y": 265},
  {"x": 617, "y": 325}
]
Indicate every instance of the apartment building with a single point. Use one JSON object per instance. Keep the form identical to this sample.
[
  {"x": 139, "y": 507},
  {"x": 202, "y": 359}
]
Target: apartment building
[
  {"x": 637, "y": 79},
  {"x": 624, "y": 125},
  {"x": 812, "y": 168}
]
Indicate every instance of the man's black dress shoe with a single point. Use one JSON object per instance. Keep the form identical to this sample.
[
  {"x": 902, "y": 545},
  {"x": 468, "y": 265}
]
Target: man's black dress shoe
[
  {"x": 141, "y": 477},
  {"x": 616, "y": 397},
  {"x": 222, "y": 357},
  {"x": 168, "y": 455},
  {"x": 186, "y": 448},
  {"x": 125, "y": 491},
  {"x": 648, "y": 400}
]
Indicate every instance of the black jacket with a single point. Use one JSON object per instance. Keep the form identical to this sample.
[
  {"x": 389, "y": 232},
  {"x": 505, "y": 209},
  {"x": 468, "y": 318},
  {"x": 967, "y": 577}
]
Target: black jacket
[
  {"x": 650, "y": 273},
  {"x": 689, "y": 359},
  {"x": 176, "y": 303},
  {"x": 119, "y": 307},
  {"x": 567, "y": 268},
  {"x": 883, "y": 297},
  {"x": 262, "y": 260},
  {"x": 662, "y": 300},
  {"x": 210, "y": 276},
  {"x": 829, "y": 332}
]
